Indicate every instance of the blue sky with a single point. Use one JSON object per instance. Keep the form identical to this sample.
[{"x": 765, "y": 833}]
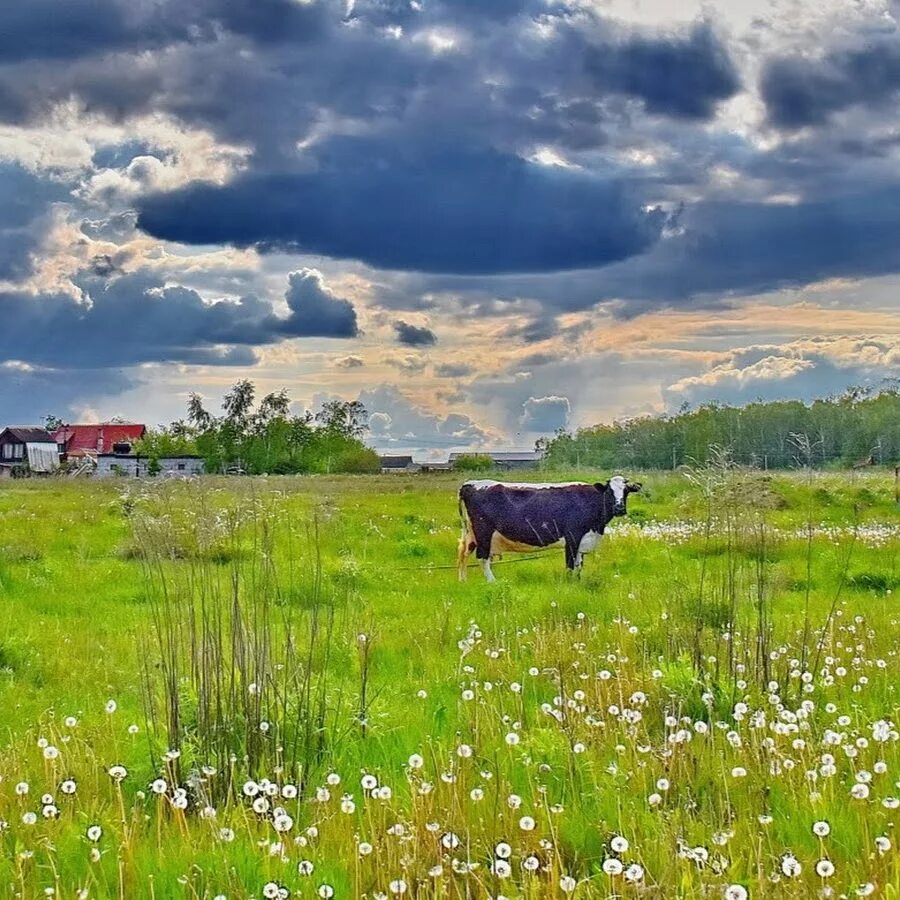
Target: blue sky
[{"x": 487, "y": 219}]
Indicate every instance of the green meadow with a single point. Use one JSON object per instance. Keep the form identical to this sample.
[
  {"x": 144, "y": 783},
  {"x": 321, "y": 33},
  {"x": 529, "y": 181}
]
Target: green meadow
[{"x": 274, "y": 687}]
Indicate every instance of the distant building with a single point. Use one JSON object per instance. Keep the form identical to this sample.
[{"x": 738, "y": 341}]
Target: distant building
[
  {"x": 507, "y": 460},
  {"x": 76, "y": 441},
  {"x": 398, "y": 465},
  {"x": 436, "y": 467},
  {"x": 27, "y": 450},
  {"x": 125, "y": 465}
]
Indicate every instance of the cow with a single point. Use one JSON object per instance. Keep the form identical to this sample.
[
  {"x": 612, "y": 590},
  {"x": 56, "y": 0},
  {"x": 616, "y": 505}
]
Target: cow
[{"x": 499, "y": 517}]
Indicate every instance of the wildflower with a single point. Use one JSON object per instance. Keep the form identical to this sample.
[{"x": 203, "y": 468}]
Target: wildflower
[
  {"x": 22, "y": 788},
  {"x": 369, "y": 782},
  {"x": 305, "y": 867},
  {"x": 416, "y": 761},
  {"x": 133, "y": 729},
  {"x": 68, "y": 786},
  {"x": 323, "y": 795},
  {"x": 118, "y": 773},
  {"x": 739, "y": 772},
  {"x": 464, "y": 751},
  {"x": 476, "y": 794},
  {"x": 567, "y": 884},
  {"x": 282, "y": 823},
  {"x": 50, "y": 811},
  {"x": 882, "y": 844},
  {"x": 790, "y": 866},
  {"x": 226, "y": 835},
  {"x": 333, "y": 779},
  {"x": 612, "y": 866},
  {"x": 398, "y": 886},
  {"x": 654, "y": 799},
  {"x": 526, "y": 823},
  {"x": 735, "y": 892},
  {"x": 824, "y": 868},
  {"x": 531, "y": 864},
  {"x": 436, "y": 871},
  {"x": 634, "y": 873},
  {"x": 501, "y": 868},
  {"x": 364, "y": 848},
  {"x": 271, "y": 890},
  {"x": 618, "y": 844},
  {"x": 29, "y": 818},
  {"x": 326, "y": 891},
  {"x": 111, "y": 706},
  {"x": 449, "y": 841},
  {"x": 347, "y": 805},
  {"x": 51, "y": 752},
  {"x": 261, "y": 805},
  {"x": 95, "y": 855},
  {"x": 821, "y": 829},
  {"x": 512, "y": 739},
  {"x": 503, "y": 850},
  {"x": 513, "y": 801},
  {"x": 250, "y": 789},
  {"x": 94, "y": 833}
]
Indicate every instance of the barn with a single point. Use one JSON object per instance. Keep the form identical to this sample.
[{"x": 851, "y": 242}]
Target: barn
[
  {"x": 27, "y": 450},
  {"x": 398, "y": 464}
]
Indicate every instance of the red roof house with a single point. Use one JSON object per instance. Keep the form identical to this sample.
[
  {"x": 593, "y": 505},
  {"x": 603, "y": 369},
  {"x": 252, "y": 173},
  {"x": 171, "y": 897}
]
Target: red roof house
[{"x": 92, "y": 440}]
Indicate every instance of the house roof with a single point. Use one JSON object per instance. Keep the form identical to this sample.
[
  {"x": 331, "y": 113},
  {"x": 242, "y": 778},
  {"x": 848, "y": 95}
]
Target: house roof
[
  {"x": 395, "y": 462},
  {"x": 97, "y": 438},
  {"x": 28, "y": 434}
]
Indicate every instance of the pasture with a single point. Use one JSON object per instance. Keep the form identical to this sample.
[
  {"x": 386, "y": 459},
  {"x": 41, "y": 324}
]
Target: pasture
[{"x": 276, "y": 687}]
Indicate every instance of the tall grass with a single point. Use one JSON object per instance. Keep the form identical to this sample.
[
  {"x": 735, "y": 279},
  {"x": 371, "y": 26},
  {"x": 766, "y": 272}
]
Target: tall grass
[{"x": 237, "y": 669}]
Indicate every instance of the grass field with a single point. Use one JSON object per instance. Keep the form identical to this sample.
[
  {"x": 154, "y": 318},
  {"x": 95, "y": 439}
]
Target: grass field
[{"x": 271, "y": 687}]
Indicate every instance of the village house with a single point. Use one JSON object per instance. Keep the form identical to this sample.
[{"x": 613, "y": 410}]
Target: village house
[
  {"x": 131, "y": 465},
  {"x": 78, "y": 441},
  {"x": 27, "y": 450}
]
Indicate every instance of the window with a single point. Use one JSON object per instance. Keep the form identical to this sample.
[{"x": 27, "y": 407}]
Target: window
[
  {"x": 13, "y": 451},
  {"x": 180, "y": 467}
]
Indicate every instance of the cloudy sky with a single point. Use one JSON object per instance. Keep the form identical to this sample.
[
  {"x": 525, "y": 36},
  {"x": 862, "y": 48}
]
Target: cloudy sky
[{"x": 487, "y": 219}]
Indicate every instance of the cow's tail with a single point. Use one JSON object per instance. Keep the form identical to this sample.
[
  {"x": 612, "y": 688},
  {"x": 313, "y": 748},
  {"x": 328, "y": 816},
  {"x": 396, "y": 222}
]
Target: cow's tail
[{"x": 466, "y": 538}]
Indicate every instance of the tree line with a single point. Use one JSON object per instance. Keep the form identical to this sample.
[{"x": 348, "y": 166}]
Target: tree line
[
  {"x": 265, "y": 437},
  {"x": 860, "y": 426}
]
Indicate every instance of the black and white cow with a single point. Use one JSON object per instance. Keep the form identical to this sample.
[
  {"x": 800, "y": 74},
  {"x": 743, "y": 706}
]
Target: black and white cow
[{"x": 498, "y": 517}]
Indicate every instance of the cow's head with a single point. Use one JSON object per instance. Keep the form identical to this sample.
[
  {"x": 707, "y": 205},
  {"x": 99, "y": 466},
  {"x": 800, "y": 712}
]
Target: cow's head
[{"x": 618, "y": 489}]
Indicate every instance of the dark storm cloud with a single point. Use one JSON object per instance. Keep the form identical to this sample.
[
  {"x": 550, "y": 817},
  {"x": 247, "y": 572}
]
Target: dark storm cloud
[
  {"x": 799, "y": 91},
  {"x": 545, "y": 414},
  {"x": 435, "y": 209},
  {"x": 24, "y": 201},
  {"x": 681, "y": 76},
  {"x": 315, "y": 311},
  {"x": 755, "y": 247},
  {"x": 136, "y": 318},
  {"x": 69, "y": 29},
  {"x": 413, "y": 335},
  {"x": 31, "y": 393}
]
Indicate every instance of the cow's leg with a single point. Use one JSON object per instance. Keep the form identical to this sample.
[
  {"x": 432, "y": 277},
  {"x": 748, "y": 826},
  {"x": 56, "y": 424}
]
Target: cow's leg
[
  {"x": 573, "y": 557},
  {"x": 466, "y": 546},
  {"x": 483, "y": 540}
]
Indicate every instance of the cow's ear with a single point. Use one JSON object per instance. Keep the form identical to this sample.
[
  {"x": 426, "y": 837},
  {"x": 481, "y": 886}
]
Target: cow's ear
[
  {"x": 633, "y": 487},
  {"x": 601, "y": 486}
]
